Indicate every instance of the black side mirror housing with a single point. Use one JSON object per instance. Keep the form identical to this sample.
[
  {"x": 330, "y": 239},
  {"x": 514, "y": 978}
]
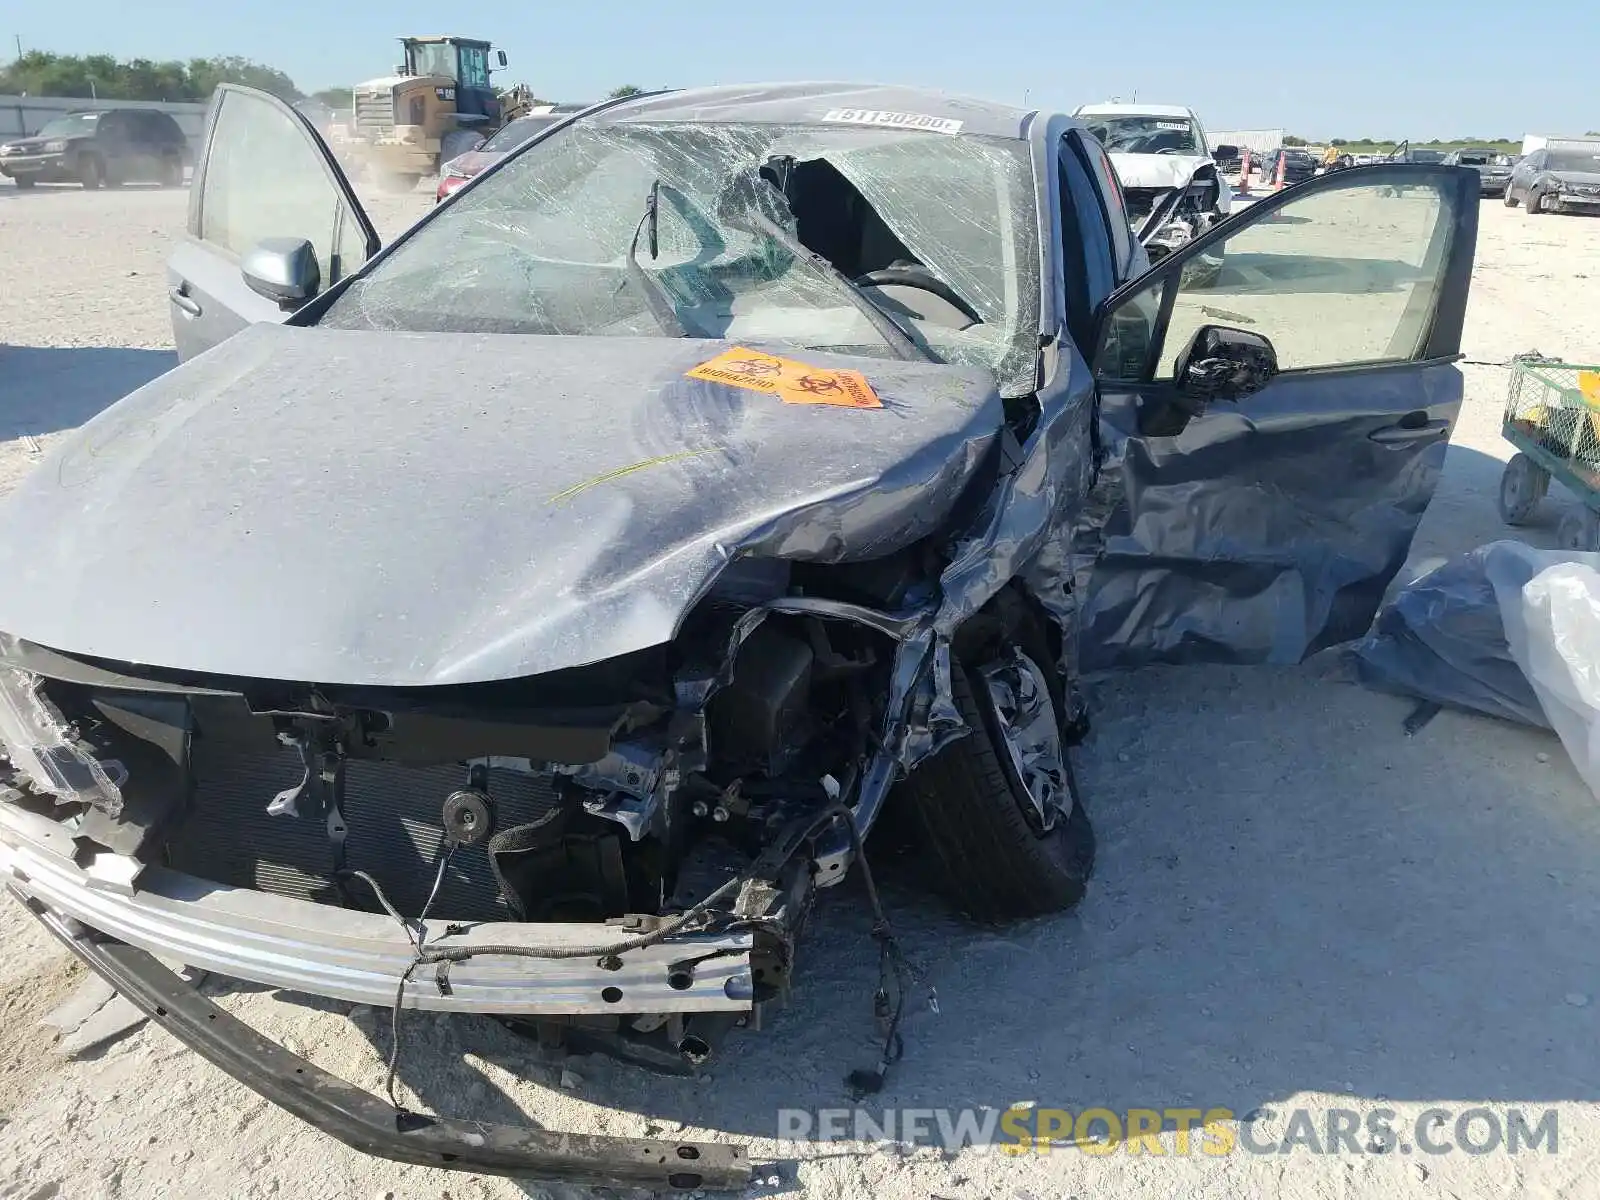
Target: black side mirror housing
[
  {"x": 282, "y": 269},
  {"x": 1224, "y": 364}
]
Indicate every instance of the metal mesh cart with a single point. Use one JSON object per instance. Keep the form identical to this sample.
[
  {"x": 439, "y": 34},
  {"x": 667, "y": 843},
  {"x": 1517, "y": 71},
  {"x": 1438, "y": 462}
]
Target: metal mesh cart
[{"x": 1553, "y": 419}]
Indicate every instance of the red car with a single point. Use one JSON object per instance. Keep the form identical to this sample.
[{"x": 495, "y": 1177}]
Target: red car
[{"x": 455, "y": 173}]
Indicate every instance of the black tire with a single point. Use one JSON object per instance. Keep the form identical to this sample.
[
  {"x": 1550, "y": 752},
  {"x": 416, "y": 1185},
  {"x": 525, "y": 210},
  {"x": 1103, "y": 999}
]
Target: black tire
[
  {"x": 172, "y": 171},
  {"x": 24, "y": 182},
  {"x": 1535, "y": 203},
  {"x": 965, "y": 810},
  {"x": 1579, "y": 530},
  {"x": 1508, "y": 197},
  {"x": 1523, "y": 484},
  {"x": 91, "y": 172}
]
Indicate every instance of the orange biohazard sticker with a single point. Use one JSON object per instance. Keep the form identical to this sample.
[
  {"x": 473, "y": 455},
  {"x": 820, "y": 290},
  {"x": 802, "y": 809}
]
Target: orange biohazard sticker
[{"x": 790, "y": 381}]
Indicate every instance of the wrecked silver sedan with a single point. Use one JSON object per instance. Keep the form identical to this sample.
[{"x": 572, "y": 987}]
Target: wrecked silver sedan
[{"x": 530, "y": 618}]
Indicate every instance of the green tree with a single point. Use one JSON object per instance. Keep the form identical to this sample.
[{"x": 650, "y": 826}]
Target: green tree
[
  {"x": 99, "y": 76},
  {"x": 338, "y": 99},
  {"x": 1290, "y": 139},
  {"x": 626, "y": 89},
  {"x": 206, "y": 73}
]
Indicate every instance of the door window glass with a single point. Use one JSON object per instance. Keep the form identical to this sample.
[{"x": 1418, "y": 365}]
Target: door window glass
[
  {"x": 474, "y": 67},
  {"x": 264, "y": 178},
  {"x": 1345, "y": 275},
  {"x": 1116, "y": 210},
  {"x": 1086, "y": 261}
]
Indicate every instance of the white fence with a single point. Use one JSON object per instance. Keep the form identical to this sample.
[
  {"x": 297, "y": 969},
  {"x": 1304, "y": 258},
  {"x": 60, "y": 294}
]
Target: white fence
[
  {"x": 21, "y": 115},
  {"x": 1257, "y": 141}
]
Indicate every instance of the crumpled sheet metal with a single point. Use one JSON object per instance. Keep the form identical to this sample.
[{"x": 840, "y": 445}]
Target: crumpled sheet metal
[
  {"x": 1024, "y": 532},
  {"x": 571, "y": 505},
  {"x": 1546, "y": 604},
  {"x": 1212, "y": 546}
]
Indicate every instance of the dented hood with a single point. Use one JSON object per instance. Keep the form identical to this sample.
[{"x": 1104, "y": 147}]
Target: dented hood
[{"x": 399, "y": 509}]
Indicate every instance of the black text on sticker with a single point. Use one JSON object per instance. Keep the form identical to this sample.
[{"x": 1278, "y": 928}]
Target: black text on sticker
[{"x": 892, "y": 120}]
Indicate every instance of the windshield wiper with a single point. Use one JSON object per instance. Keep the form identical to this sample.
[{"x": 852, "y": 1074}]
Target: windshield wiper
[
  {"x": 899, "y": 341},
  {"x": 656, "y": 297}
]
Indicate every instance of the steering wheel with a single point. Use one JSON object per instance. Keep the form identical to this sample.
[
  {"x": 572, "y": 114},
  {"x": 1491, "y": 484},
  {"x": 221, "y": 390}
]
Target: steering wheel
[{"x": 923, "y": 280}]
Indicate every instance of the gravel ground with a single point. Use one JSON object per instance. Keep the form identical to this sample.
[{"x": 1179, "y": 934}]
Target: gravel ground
[{"x": 1296, "y": 906}]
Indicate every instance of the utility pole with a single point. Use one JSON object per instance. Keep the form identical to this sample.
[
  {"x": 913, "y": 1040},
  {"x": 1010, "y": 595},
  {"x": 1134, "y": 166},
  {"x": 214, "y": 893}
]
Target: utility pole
[{"x": 18, "y": 36}]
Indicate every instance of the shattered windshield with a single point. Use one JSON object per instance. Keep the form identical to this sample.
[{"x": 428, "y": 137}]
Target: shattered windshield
[
  {"x": 542, "y": 246},
  {"x": 1145, "y": 134}
]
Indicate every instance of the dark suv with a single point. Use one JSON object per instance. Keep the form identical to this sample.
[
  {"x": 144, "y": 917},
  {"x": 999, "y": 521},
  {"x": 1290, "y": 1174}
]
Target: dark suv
[{"x": 111, "y": 146}]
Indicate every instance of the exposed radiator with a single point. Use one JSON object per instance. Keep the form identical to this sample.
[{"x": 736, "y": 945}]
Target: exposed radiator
[{"x": 392, "y": 816}]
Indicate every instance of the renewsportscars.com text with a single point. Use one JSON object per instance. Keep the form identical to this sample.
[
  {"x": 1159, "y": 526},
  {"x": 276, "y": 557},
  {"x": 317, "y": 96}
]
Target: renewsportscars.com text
[{"x": 1212, "y": 1132}]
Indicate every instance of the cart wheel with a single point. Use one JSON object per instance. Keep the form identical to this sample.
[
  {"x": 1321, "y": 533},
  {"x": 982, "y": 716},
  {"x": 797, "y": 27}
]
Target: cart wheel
[
  {"x": 1523, "y": 484},
  {"x": 1579, "y": 530}
]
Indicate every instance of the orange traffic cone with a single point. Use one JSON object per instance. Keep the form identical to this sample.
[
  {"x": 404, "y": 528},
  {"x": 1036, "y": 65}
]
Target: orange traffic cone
[
  {"x": 1277, "y": 183},
  {"x": 1244, "y": 175}
]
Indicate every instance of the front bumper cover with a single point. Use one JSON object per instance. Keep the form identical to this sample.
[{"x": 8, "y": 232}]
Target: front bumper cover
[{"x": 366, "y": 1123}]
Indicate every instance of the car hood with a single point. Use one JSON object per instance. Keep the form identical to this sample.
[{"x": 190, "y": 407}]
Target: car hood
[
  {"x": 34, "y": 145},
  {"x": 1584, "y": 177},
  {"x": 1156, "y": 170},
  {"x": 473, "y": 162},
  {"x": 403, "y": 509}
]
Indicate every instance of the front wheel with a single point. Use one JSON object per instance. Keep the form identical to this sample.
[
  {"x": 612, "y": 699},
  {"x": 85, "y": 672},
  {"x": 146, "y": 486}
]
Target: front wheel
[
  {"x": 91, "y": 172},
  {"x": 998, "y": 811},
  {"x": 1535, "y": 202},
  {"x": 24, "y": 181}
]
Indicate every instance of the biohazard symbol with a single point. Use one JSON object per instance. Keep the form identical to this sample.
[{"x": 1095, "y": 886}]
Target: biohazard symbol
[
  {"x": 819, "y": 385},
  {"x": 756, "y": 366},
  {"x": 790, "y": 381}
]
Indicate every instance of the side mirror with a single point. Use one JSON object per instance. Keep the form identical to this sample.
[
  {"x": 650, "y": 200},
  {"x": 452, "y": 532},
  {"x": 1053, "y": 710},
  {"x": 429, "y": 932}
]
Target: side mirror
[
  {"x": 1224, "y": 364},
  {"x": 500, "y": 58},
  {"x": 282, "y": 269}
]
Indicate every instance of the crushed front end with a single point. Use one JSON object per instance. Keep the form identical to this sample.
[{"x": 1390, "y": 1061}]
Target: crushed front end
[{"x": 615, "y": 858}]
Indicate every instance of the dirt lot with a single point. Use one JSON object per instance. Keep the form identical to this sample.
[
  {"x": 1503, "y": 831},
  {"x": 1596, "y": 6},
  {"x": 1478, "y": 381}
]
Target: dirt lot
[{"x": 1295, "y": 904}]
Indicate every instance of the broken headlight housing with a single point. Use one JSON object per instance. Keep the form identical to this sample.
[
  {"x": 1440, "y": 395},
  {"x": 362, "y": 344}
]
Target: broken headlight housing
[{"x": 46, "y": 750}]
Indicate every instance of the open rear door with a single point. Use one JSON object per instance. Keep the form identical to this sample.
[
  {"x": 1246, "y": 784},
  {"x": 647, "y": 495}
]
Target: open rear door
[
  {"x": 263, "y": 173},
  {"x": 1276, "y": 400}
]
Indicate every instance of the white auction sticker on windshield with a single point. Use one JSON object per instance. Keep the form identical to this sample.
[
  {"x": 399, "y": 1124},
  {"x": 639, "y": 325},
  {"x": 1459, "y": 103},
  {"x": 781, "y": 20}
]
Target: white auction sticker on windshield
[
  {"x": 891, "y": 120},
  {"x": 1172, "y": 124}
]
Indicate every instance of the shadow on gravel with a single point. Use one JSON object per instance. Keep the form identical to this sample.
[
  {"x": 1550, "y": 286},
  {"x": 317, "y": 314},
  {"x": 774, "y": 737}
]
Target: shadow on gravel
[{"x": 45, "y": 389}]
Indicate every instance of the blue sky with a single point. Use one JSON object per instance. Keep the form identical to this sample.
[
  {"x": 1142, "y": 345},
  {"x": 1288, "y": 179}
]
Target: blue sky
[{"x": 1381, "y": 68}]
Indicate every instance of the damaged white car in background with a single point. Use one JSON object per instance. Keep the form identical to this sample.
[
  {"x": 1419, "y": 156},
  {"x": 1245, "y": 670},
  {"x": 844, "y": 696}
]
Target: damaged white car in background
[{"x": 1158, "y": 149}]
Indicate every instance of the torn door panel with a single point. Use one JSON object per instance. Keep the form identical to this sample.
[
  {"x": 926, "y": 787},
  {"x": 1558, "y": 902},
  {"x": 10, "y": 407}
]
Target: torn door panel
[{"x": 1210, "y": 546}]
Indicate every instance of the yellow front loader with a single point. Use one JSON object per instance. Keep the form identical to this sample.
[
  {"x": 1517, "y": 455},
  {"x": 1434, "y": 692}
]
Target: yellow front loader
[{"x": 438, "y": 103}]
